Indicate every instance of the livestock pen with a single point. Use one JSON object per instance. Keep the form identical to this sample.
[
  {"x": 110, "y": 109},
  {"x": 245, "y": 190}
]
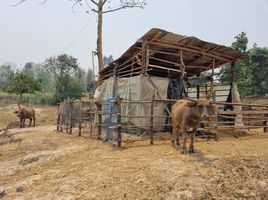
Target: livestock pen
[{"x": 136, "y": 91}]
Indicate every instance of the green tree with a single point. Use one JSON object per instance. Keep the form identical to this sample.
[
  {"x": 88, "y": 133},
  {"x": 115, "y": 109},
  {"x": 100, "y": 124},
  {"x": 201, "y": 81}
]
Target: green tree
[
  {"x": 243, "y": 69},
  {"x": 6, "y": 75},
  {"x": 90, "y": 81},
  {"x": 107, "y": 60},
  {"x": 21, "y": 84},
  {"x": 241, "y": 42},
  {"x": 64, "y": 69},
  {"x": 28, "y": 69},
  {"x": 259, "y": 64},
  {"x": 48, "y": 81}
]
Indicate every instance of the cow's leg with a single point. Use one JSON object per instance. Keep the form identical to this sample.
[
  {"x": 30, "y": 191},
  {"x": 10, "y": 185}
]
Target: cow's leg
[
  {"x": 191, "y": 148},
  {"x": 34, "y": 121},
  {"x": 178, "y": 138},
  {"x": 184, "y": 138},
  {"x": 20, "y": 123},
  {"x": 30, "y": 122},
  {"x": 23, "y": 122},
  {"x": 174, "y": 131}
]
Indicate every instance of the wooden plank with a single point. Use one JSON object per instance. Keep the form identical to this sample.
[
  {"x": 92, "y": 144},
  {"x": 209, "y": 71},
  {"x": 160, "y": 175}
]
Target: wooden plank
[
  {"x": 192, "y": 51},
  {"x": 165, "y": 68}
]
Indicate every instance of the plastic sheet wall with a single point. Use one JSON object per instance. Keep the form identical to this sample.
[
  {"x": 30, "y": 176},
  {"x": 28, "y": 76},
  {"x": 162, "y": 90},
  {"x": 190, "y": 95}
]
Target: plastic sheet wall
[{"x": 138, "y": 88}]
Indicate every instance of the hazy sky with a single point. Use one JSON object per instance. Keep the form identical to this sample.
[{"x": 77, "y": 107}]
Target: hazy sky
[{"x": 33, "y": 32}]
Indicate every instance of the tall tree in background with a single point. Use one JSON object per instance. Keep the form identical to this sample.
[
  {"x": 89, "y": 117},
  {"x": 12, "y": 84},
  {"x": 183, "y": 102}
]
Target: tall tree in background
[
  {"x": 102, "y": 7},
  {"x": 107, "y": 60},
  {"x": 243, "y": 69},
  {"x": 28, "y": 69},
  {"x": 89, "y": 81},
  {"x": 64, "y": 69},
  {"x": 6, "y": 75},
  {"x": 259, "y": 64}
]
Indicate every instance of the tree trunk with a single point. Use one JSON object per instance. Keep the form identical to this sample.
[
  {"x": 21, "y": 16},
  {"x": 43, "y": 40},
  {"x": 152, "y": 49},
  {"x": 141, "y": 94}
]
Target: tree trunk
[{"x": 99, "y": 36}]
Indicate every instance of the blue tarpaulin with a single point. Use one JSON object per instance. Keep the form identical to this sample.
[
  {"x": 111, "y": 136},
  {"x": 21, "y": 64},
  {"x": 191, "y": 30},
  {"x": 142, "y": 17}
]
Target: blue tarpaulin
[{"x": 110, "y": 111}]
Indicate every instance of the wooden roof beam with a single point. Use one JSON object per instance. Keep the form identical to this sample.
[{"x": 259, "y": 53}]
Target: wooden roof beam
[{"x": 192, "y": 50}]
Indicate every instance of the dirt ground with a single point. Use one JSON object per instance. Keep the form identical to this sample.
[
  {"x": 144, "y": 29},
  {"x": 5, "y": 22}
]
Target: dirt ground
[{"x": 43, "y": 164}]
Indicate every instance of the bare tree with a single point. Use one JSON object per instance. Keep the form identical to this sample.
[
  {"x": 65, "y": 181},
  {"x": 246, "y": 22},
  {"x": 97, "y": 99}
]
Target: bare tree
[{"x": 102, "y": 7}]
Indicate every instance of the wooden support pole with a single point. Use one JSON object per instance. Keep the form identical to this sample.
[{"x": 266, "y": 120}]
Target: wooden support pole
[
  {"x": 233, "y": 79},
  {"x": 144, "y": 57},
  {"x": 115, "y": 82},
  {"x": 71, "y": 117},
  {"x": 58, "y": 118},
  {"x": 67, "y": 122},
  {"x": 119, "y": 139},
  {"x": 80, "y": 128},
  {"x": 211, "y": 81},
  {"x": 265, "y": 129},
  {"x": 198, "y": 88},
  {"x": 152, "y": 121},
  {"x": 182, "y": 66},
  {"x": 99, "y": 107}
]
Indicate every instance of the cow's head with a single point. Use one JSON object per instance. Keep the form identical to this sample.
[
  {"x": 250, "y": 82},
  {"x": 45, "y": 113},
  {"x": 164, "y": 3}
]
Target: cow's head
[
  {"x": 19, "y": 113},
  {"x": 205, "y": 107}
]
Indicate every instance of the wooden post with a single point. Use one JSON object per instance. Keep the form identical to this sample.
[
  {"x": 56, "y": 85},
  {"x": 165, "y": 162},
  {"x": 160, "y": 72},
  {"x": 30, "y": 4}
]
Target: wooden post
[
  {"x": 211, "y": 81},
  {"x": 67, "y": 121},
  {"x": 99, "y": 107},
  {"x": 206, "y": 90},
  {"x": 198, "y": 89},
  {"x": 91, "y": 129},
  {"x": 93, "y": 66},
  {"x": 119, "y": 139},
  {"x": 71, "y": 118},
  {"x": 152, "y": 121},
  {"x": 233, "y": 79},
  {"x": 182, "y": 66},
  {"x": 58, "y": 118},
  {"x": 265, "y": 129},
  {"x": 80, "y": 127},
  {"x": 115, "y": 82},
  {"x": 145, "y": 57}
]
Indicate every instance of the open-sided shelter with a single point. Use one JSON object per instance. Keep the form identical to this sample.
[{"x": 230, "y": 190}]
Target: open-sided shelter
[{"x": 155, "y": 67}]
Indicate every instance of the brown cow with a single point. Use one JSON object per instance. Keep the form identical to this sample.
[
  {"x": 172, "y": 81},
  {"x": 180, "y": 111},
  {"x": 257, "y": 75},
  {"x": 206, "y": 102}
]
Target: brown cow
[
  {"x": 186, "y": 115},
  {"x": 25, "y": 113}
]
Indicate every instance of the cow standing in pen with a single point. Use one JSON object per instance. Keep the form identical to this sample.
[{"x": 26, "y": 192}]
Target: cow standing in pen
[
  {"x": 25, "y": 113},
  {"x": 186, "y": 116}
]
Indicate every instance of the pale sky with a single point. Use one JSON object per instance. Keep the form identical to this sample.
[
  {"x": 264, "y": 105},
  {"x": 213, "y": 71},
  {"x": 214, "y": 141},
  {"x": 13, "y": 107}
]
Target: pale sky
[{"x": 33, "y": 32}]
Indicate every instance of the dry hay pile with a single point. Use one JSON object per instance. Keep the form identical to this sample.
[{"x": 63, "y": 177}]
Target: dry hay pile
[{"x": 239, "y": 178}]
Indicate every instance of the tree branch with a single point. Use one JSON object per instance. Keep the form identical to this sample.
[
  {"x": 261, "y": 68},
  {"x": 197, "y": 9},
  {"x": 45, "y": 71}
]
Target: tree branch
[
  {"x": 94, "y": 2},
  {"x": 20, "y": 2},
  {"x": 127, "y": 4}
]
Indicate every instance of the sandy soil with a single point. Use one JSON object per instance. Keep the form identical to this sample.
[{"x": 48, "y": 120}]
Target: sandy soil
[
  {"x": 43, "y": 164},
  {"x": 51, "y": 165}
]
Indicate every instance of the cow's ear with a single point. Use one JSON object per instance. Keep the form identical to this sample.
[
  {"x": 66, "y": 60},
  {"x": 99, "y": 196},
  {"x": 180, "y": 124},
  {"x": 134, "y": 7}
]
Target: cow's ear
[{"x": 191, "y": 104}]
